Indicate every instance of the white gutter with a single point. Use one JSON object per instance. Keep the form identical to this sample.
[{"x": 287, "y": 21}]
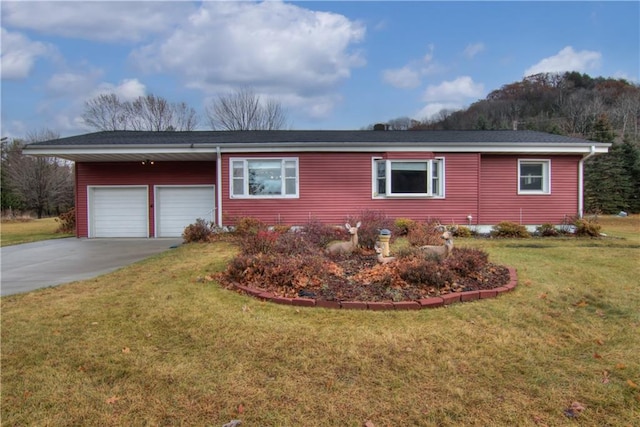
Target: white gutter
[
  {"x": 581, "y": 180},
  {"x": 218, "y": 187}
]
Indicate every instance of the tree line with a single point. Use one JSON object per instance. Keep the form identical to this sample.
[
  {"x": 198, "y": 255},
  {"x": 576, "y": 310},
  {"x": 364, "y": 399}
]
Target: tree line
[{"x": 238, "y": 111}]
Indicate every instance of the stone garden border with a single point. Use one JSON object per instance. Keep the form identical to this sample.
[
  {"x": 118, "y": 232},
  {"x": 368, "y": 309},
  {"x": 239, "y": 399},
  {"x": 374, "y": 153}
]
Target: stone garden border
[{"x": 432, "y": 302}]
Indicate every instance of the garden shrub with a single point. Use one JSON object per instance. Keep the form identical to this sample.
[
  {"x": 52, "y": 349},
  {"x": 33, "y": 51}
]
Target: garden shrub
[
  {"x": 547, "y": 230},
  {"x": 320, "y": 234},
  {"x": 586, "y": 227},
  {"x": 465, "y": 261},
  {"x": 261, "y": 242},
  {"x": 67, "y": 221},
  {"x": 293, "y": 272},
  {"x": 295, "y": 243},
  {"x": 463, "y": 231},
  {"x": 200, "y": 231},
  {"x": 403, "y": 226},
  {"x": 371, "y": 224},
  {"x": 510, "y": 229},
  {"x": 424, "y": 234},
  {"x": 425, "y": 272},
  {"x": 249, "y": 225}
]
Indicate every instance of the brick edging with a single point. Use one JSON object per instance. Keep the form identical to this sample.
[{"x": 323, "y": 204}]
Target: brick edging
[{"x": 432, "y": 302}]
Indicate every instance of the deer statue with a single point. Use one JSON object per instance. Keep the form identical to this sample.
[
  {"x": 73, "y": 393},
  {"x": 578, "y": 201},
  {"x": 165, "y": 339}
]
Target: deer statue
[
  {"x": 442, "y": 251},
  {"x": 345, "y": 247},
  {"x": 381, "y": 258}
]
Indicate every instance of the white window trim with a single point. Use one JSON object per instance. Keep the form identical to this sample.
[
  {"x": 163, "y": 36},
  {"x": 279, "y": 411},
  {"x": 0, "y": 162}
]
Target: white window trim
[
  {"x": 428, "y": 195},
  {"x": 246, "y": 195},
  {"x": 546, "y": 177}
]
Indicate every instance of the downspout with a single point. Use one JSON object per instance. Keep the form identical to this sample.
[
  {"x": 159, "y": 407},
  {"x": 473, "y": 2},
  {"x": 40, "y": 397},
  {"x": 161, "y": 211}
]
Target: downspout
[
  {"x": 218, "y": 187},
  {"x": 581, "y": 180}
]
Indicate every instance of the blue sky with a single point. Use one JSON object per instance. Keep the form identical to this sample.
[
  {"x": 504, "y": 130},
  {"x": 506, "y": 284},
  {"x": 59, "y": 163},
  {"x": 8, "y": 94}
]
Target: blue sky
[{"x": 332, "y": 65}]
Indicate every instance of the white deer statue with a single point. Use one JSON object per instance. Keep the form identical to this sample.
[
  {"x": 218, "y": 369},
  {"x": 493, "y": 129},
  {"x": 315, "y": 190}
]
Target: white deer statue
[
  {"x": 442, "y": 251},
  {"x": 345, "y": 247},
  {"x": 381, "y": 258}
]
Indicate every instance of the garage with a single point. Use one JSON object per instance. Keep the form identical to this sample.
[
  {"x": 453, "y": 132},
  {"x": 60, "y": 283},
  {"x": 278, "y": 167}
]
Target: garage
[
  {"x": 178, "y": 206},
  {"x": 118, "y": 211}
]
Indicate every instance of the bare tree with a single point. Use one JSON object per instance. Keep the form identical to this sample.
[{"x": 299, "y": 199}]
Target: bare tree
[
  {"x": 43, "y": 184},
  {"x": 244, "y": 110},
  {"x": 105, "y": 112},
  {"x": 148, "y": 113}
]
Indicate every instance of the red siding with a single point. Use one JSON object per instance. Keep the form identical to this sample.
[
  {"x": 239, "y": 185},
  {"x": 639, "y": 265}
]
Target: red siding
[
  {"x": 499, "y": 199},
  {"x": 133, "y": 173},
  {"x": 336, "y": 185}
]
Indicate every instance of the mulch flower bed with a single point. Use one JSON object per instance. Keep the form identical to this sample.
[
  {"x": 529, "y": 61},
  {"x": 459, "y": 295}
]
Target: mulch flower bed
[{"x": 311, "y": 279}]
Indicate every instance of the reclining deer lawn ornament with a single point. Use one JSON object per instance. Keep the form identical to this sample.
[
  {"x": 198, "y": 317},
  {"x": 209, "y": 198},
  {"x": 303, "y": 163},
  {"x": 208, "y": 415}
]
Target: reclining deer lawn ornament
[
  {"x": 442, "y": 251},
  {"x": 381, "y": 258},
  {"x": 345, "y": 247}
]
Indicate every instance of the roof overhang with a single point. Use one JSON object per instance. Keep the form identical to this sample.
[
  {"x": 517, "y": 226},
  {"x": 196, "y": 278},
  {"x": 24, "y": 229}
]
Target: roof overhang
[{"x": 208, "y": 152}]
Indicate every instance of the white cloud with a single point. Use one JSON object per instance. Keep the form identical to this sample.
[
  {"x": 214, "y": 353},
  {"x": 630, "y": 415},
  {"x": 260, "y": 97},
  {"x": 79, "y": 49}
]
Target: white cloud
[
  {"x": 567, "y": 60},
  {"x": 455, "y": 90},
  {"x": 410, "y": 76},
  {"x": 19, "y": 54},
  {"x": 449, "y": 95},
  {"x": 126, "y": 90},
  {"x": 271, "y": 46},
  {"x": 432, "y": 109},
  {"x": 473, "y": 49},
  {"x": 96, "y": 20},
  {"x": 403, "y": 78}
]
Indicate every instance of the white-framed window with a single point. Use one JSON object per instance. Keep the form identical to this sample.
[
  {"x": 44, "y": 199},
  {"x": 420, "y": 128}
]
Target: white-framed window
[
  {"x": 534, "y": 176},
  {"x": 263, "y": 178},
  {"x": 408, "y": 178}
]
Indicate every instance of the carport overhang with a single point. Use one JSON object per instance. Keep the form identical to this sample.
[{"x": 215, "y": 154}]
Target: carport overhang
[{"x": 128, "y": 153}]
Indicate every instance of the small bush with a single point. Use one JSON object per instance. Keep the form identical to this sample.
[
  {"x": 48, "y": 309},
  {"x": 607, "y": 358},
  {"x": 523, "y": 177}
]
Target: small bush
[
  {"x": 320, "y": 235},
  {"x": 463, "y": 231},
  {"x": 510, "y": 229},
  {"x": 403, "y": 226},
  {"x": 424, "y": 234},
  {"x": 67, "y": 221},
  {"x": 372, "y": 222},
  {"x": 292, "y": 273},
  {"x": 425, "y": 272},
  {"x": 260, "y": 242},
  {"x": 547, "y": 230},
  {"x": 295, "y": 243},
  {"x": 249, "y": 225},
  {"x": 466, "y": 261},
  {"x": 586, "y": 227},
  {"x": 200, "y": 231}
]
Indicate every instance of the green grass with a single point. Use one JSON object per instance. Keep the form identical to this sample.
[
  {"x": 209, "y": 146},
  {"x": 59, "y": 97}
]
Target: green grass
[
  {"x": 158, "y": 343},
  {"x": 16, "y": 232}
]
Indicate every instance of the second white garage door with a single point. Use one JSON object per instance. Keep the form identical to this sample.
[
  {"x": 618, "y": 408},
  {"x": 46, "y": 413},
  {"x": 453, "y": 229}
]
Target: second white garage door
[{"x": 179, "y": 206}]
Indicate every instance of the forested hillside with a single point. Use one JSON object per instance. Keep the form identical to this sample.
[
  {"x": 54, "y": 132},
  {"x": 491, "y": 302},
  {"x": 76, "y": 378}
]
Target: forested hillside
[{"x": 573, "y": 104}]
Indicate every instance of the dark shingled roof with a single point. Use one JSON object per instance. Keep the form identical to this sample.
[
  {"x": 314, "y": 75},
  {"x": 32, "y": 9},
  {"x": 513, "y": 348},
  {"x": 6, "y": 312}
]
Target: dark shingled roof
[{"x": 307, "y": 136}]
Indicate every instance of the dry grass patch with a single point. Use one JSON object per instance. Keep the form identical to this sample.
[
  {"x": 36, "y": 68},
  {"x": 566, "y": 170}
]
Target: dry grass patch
[
  {"x": 22, "y": 231},
  {"x": 158, "y": 343}
]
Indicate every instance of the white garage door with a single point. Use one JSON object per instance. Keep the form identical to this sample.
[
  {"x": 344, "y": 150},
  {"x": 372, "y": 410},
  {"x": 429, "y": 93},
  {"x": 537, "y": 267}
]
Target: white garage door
[
  {"x": 118, "y": 212},
  {"x": 177, "y": 207}
]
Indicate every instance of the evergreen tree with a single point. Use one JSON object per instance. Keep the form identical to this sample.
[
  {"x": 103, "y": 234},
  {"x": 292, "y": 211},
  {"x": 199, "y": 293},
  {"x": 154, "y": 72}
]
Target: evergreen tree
[{"x": 608, "y": 184}]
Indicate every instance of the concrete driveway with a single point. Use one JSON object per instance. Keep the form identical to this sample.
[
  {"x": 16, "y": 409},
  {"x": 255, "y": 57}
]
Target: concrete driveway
[{"x": 53, "y": 262}]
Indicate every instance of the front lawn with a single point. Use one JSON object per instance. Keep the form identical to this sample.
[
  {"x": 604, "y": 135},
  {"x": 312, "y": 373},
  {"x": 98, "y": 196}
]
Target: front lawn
[
  {"x": 158, "y": 343},
  {"x": 19, "y": 231}
]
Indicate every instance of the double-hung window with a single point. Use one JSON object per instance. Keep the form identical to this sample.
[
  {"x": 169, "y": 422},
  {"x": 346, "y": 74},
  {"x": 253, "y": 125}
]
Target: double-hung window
[
  {"x": 264, "y": 178},
  {"x": 534, "y": 176},
  {"x": 408, "y": 178}
]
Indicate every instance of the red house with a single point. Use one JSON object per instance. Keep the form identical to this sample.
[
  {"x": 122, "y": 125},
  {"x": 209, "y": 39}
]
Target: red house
[{"x": 153, "y": 184}]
